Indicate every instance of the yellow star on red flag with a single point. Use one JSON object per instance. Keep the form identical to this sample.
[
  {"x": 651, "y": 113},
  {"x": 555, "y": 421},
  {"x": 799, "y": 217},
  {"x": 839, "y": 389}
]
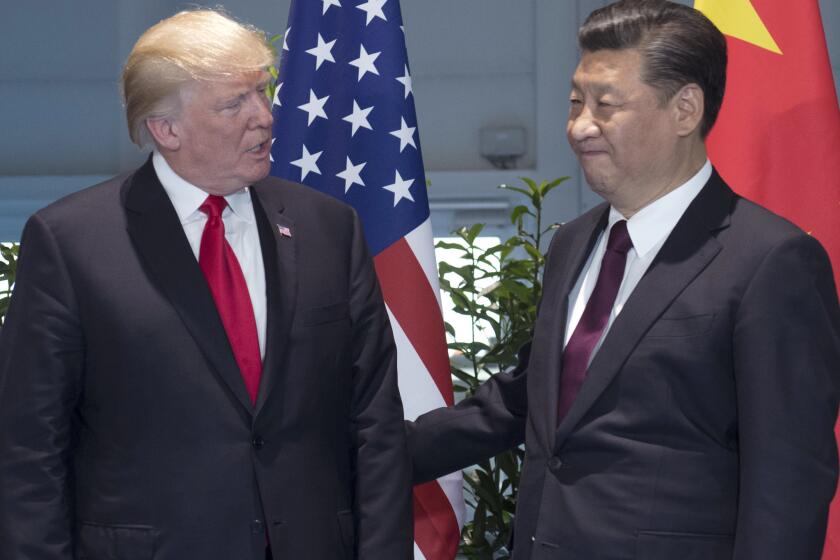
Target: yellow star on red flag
[{"x": 739, "y": 19}]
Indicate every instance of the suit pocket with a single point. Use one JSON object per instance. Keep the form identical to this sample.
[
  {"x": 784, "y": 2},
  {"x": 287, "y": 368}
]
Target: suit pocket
[
  {"x": 347, "y": 528},
  {"x": 115, "y": 542},
  {"x": 663, "y": 545},
  {"x": 325, "y": 314},
  {"x": 676, "y": 327}
]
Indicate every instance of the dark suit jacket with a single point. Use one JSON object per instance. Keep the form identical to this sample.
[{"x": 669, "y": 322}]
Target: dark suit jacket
[
  {"x": 704, "y": 428},
  {"x": 125, "y": 429}
]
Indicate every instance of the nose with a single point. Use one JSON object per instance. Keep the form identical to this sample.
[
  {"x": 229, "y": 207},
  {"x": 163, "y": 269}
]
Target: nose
[
  {"x": 582, "y": 126},
  {"x": 262, "y": 117}
]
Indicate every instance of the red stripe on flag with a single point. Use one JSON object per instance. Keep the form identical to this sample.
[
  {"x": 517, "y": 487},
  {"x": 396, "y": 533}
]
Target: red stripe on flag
[
  {"x": 419, "y": 315},
  {"x": 436, "y": 529}
]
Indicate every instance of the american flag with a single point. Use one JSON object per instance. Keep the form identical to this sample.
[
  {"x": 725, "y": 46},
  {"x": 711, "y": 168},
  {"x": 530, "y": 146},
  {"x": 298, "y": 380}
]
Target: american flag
[{"x": 345, "y": 124}]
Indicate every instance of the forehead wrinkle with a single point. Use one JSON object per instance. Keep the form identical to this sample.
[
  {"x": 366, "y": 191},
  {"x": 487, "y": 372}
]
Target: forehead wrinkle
[{"x": 596, "y": 87}]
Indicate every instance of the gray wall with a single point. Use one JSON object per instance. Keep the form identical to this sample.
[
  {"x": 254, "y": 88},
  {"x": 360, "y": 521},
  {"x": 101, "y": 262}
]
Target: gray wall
[{"x": 475, "y": 63}]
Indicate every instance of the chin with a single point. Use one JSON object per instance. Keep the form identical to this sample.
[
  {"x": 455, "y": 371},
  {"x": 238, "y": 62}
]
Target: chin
[
  {"x": 259, "y": 173},
  {"x": 600, "y": 186}
]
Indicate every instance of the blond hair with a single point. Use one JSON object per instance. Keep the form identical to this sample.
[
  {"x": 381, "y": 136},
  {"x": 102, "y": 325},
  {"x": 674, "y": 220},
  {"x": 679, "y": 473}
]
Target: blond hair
[{"x": 194, "y": 45}]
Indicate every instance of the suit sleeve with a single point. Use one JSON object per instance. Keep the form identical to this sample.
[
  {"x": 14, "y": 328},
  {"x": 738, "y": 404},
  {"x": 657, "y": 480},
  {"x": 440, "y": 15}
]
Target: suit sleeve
[
  {"x": 383, "y": 471},
  {"x": 493, "y": 420},
  {"x": 41, "y": 361},
  {"x": 787, "y": 366}
]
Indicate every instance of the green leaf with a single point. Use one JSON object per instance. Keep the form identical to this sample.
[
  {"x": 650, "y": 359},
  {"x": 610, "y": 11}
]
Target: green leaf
[
  {"x": 517, "y": 213},
  {"x": 533, "y": 251},
  {"x": 532, "y": 185},
  {"x": 450, "y": 245},
  {"x": 471, "y": 233},
  {"x": 515, "y": 189},
  {"x": 546, "y": 188}
]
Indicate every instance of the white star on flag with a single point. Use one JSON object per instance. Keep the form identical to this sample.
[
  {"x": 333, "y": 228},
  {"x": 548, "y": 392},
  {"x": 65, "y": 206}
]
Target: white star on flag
[
  {"x": 400, "y": 188},
  {"x": 365, "y": 62},
  {"x": 328, "y": 3},
  {"x": 315, "y": 107},
  {"x": 322, "y": 51},
  {"x": 276, "y": 100},
  {"x": 307, "y": 163},
  {"x": 285, "y": 37},
  {"x": 270, "y": 155},
  {"x": 405, "y": 80},
  {"x": 405, "y": 134},
  {"x": 352, "y": 175},
  {"x": 373, "y": 8},
  {"x": 358, "y": 118}
]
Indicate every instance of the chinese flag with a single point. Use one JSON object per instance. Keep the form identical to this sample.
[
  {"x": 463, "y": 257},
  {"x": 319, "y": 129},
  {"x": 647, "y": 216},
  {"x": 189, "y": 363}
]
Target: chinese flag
[{"x": 777, "y": 140}]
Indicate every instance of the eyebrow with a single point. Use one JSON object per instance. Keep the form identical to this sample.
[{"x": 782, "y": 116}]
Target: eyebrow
[
  {"x": 597, "y": 87},
  {"x": 240, "y": 96}
]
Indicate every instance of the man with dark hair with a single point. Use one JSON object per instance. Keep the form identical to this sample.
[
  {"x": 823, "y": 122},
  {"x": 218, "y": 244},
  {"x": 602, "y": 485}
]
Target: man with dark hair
[{"x": 678, "y": 398}]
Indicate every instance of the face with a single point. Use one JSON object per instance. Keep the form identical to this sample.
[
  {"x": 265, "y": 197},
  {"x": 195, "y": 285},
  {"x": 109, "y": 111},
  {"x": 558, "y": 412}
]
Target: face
[
  {"x": 224, "y": 133},
  {"x": 625, "y": 139}
]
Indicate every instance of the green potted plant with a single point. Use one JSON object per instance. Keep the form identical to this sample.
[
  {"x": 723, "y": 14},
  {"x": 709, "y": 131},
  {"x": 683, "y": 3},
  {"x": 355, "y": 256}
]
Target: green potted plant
[
  {"x": 497, "y": 290},
  {"x": 8, "y": 267}
]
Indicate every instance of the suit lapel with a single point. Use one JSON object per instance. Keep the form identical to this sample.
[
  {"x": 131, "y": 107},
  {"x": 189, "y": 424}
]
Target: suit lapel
[
  {"x": 687, "y": 251},
  {"x": 279, "y": 255},
  {"x": 159, "y": 238},
  {"x": 554, "y": 308}
]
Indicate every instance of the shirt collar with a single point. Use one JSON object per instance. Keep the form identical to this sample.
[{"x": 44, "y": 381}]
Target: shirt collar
[
  {"x": 187, "y": 198},
  {"x": 652, "y": 224}
]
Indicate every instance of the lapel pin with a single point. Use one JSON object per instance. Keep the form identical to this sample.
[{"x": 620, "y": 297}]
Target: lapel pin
[{"x": 284, "y": 231}]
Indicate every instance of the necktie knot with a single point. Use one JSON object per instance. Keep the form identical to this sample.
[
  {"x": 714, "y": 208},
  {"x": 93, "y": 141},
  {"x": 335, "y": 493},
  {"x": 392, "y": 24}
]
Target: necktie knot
[
  {"x": 619, "y": 240},
  {"x": 213, "y": 206}
]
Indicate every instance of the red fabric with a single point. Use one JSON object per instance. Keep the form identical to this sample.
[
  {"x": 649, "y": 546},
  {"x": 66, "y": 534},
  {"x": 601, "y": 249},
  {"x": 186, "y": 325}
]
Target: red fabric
[
  {"x": 230, "y": 292},
  {"x": 419, "y": 316},
  {"x": 436, "y": 529},
  {"x": 777, "y": 140}
]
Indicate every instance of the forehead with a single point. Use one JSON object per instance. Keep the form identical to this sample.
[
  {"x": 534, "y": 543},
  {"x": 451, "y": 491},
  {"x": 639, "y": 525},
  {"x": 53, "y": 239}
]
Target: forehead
[{"x": 608, "y": 69}]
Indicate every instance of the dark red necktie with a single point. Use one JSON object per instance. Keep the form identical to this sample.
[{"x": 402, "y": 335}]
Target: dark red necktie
[
  {"x": 230, "y": 292},
  {"x": 595, "y": 316}
]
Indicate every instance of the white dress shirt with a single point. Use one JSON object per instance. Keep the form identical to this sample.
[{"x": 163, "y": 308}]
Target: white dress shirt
[
  {"x": 648, "y": 229},
  {"x": 240, "y": 232}
]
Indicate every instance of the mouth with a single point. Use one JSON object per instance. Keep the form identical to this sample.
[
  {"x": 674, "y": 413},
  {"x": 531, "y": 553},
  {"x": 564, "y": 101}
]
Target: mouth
[
  {"x": 588, "y": 154},
  {"x": 260, "y": 149}
]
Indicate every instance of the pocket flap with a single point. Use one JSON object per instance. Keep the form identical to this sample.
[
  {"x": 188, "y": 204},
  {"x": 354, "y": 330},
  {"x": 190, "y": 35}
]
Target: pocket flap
[{"x": 326, "y": 314}]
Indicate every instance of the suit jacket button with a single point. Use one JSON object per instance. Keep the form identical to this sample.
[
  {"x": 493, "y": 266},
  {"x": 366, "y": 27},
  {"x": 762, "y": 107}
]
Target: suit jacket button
[
  {"x": 258, "y": 442},
  {"x": 257, "y": 527},
  {"x": 555, "y": 463}
]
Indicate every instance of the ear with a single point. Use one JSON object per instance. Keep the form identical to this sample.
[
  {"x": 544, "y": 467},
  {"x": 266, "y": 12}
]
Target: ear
[
  {"x": 688, "y": 104},
  {"x": 164, "y": 130}
]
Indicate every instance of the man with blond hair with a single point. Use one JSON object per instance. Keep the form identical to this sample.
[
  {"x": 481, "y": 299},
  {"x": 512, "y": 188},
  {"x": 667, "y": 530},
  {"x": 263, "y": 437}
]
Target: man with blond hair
[{"x": 197, "y": 362}]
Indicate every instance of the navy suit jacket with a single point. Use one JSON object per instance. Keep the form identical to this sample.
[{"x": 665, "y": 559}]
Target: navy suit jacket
[
  {"x": 705, "y": 426},
  {"x": 125, "y": 427}
]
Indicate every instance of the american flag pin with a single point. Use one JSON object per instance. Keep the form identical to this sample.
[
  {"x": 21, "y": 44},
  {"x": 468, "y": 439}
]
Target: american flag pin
[{"x": 284, "y": 231}]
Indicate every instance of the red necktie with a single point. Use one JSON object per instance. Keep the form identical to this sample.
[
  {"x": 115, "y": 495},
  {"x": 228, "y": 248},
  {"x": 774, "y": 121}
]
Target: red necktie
[
  {"x": 588, "y": 331},
  {"x": 230, "y": 292}
]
